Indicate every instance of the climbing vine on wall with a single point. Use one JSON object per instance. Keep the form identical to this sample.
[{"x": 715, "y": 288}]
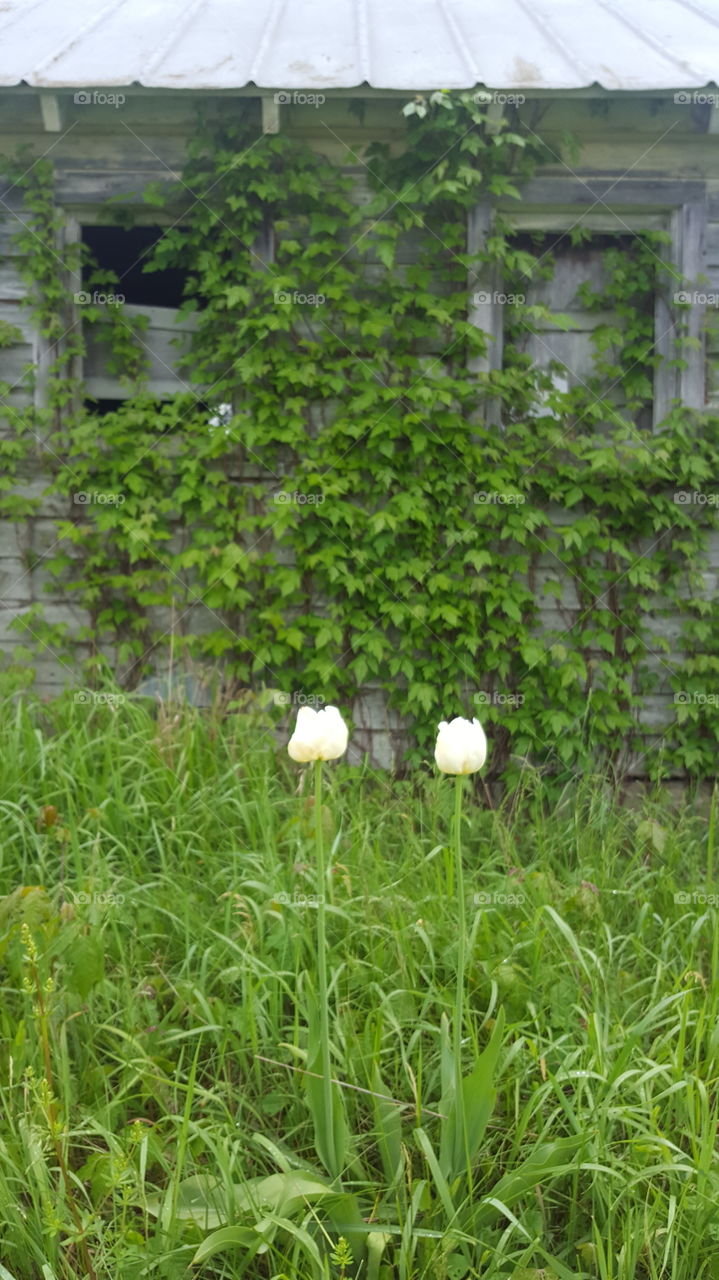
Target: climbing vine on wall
[{"x": 356, "y": 517}]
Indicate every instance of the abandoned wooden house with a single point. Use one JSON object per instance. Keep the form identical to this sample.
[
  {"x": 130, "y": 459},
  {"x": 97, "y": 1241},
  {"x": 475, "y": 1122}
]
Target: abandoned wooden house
[{"x": 108, "y": 94}]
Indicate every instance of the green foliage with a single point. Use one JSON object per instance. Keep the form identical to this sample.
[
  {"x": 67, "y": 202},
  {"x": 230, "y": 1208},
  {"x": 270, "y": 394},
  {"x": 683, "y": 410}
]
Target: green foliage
[
  {"x": 386, "y": 533},
  {"x": 154, "y": 954}
]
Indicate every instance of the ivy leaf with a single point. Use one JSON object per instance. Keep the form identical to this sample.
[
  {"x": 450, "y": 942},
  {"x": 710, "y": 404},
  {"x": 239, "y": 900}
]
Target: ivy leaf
[
  {"x": 532, "y": 653},
  {"x": 386, "y": 251}
]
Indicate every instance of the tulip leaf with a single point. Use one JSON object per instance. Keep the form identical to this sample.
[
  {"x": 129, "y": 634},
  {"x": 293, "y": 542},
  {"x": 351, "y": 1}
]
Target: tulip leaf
[
  {"x": 377, "y": 1241},
  {"x": 206, "y": 1200},
  {"x": 388, "y": 1126},
  {"x": 230, "y": 1238},
  {"x": 201, "y": 1199},
  {"x": 479, "y": 1097},
  {"x": 331, "y": 1141}
]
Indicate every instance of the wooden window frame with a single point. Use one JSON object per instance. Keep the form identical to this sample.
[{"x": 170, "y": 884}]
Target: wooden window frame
[
  {"x": 74, "y": 218},
  {"x": 626, "y": 206},
  {"x": 110, "y": 388}
]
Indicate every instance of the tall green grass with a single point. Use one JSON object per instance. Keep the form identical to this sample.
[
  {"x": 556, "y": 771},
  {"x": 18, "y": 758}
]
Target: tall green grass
[{"x": 163, "y": 864}]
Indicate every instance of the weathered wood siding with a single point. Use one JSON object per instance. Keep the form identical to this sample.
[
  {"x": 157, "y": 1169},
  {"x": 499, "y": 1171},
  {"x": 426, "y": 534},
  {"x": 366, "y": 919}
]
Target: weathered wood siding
[{"x": 642, "y": 160}]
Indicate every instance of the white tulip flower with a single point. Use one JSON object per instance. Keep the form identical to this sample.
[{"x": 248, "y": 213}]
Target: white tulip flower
[
  {"x": 318, "y": 735},
  {"x": 461, "y": 746}
]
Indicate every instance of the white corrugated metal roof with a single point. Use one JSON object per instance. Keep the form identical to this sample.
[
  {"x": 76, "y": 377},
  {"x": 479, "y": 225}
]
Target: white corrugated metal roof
[{"x": 340, "y": 44}]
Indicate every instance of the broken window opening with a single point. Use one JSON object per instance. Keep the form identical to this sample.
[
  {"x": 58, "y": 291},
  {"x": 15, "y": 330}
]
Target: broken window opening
[{"x": 126, "y": 252}]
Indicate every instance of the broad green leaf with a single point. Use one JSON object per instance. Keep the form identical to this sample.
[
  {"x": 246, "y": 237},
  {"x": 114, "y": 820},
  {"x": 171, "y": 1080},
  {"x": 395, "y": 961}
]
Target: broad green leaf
[
  {"x": 377, "y": 1242},
  {"x": 440, "y": 1181},
  {"x": 204, "y": 1199},
  {"x": 479, "y": 1096},
  {"x": 283, "y": 1192},
  {"x": 388, "y": 1126},
  {"x": 200, "y": 1199},
  {"x": 230, "y": 1238},
  {"x": 332, "y": 1152}
]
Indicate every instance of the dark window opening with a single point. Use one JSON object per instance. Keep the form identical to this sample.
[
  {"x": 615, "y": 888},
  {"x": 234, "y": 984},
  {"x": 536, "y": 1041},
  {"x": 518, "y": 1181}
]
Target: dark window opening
[
  {"x": 126, "y": 252},
  {"x": 101, "y": 407},
  {"x": 216, "y": 415}
]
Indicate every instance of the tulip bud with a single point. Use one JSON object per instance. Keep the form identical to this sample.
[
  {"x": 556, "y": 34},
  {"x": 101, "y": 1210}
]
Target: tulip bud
[
  {"x": 461, "y": 746},
  {"x": 318, "y": 735}
]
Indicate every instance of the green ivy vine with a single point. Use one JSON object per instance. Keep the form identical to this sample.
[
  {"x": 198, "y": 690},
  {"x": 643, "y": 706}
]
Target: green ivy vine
[{"x": 356, "y": 518}]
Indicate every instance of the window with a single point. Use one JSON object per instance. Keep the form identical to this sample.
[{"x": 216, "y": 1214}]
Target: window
[
  {"x": 570, "y": 271},
  {"x": 120, "y": 255},
  {"x": 125, "y": 252},
  {"x": 612, "y": 207}
]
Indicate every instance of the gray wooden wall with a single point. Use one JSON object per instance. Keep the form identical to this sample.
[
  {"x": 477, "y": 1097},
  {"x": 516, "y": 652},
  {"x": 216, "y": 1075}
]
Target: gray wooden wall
[{"x": 643, "y": 162}]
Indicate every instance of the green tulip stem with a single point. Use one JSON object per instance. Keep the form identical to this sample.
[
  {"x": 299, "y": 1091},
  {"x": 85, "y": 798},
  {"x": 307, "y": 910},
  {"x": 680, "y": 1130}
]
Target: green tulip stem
[
  {"x": 322, "y": 962},
  {"x": 461, "y": 957}
]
